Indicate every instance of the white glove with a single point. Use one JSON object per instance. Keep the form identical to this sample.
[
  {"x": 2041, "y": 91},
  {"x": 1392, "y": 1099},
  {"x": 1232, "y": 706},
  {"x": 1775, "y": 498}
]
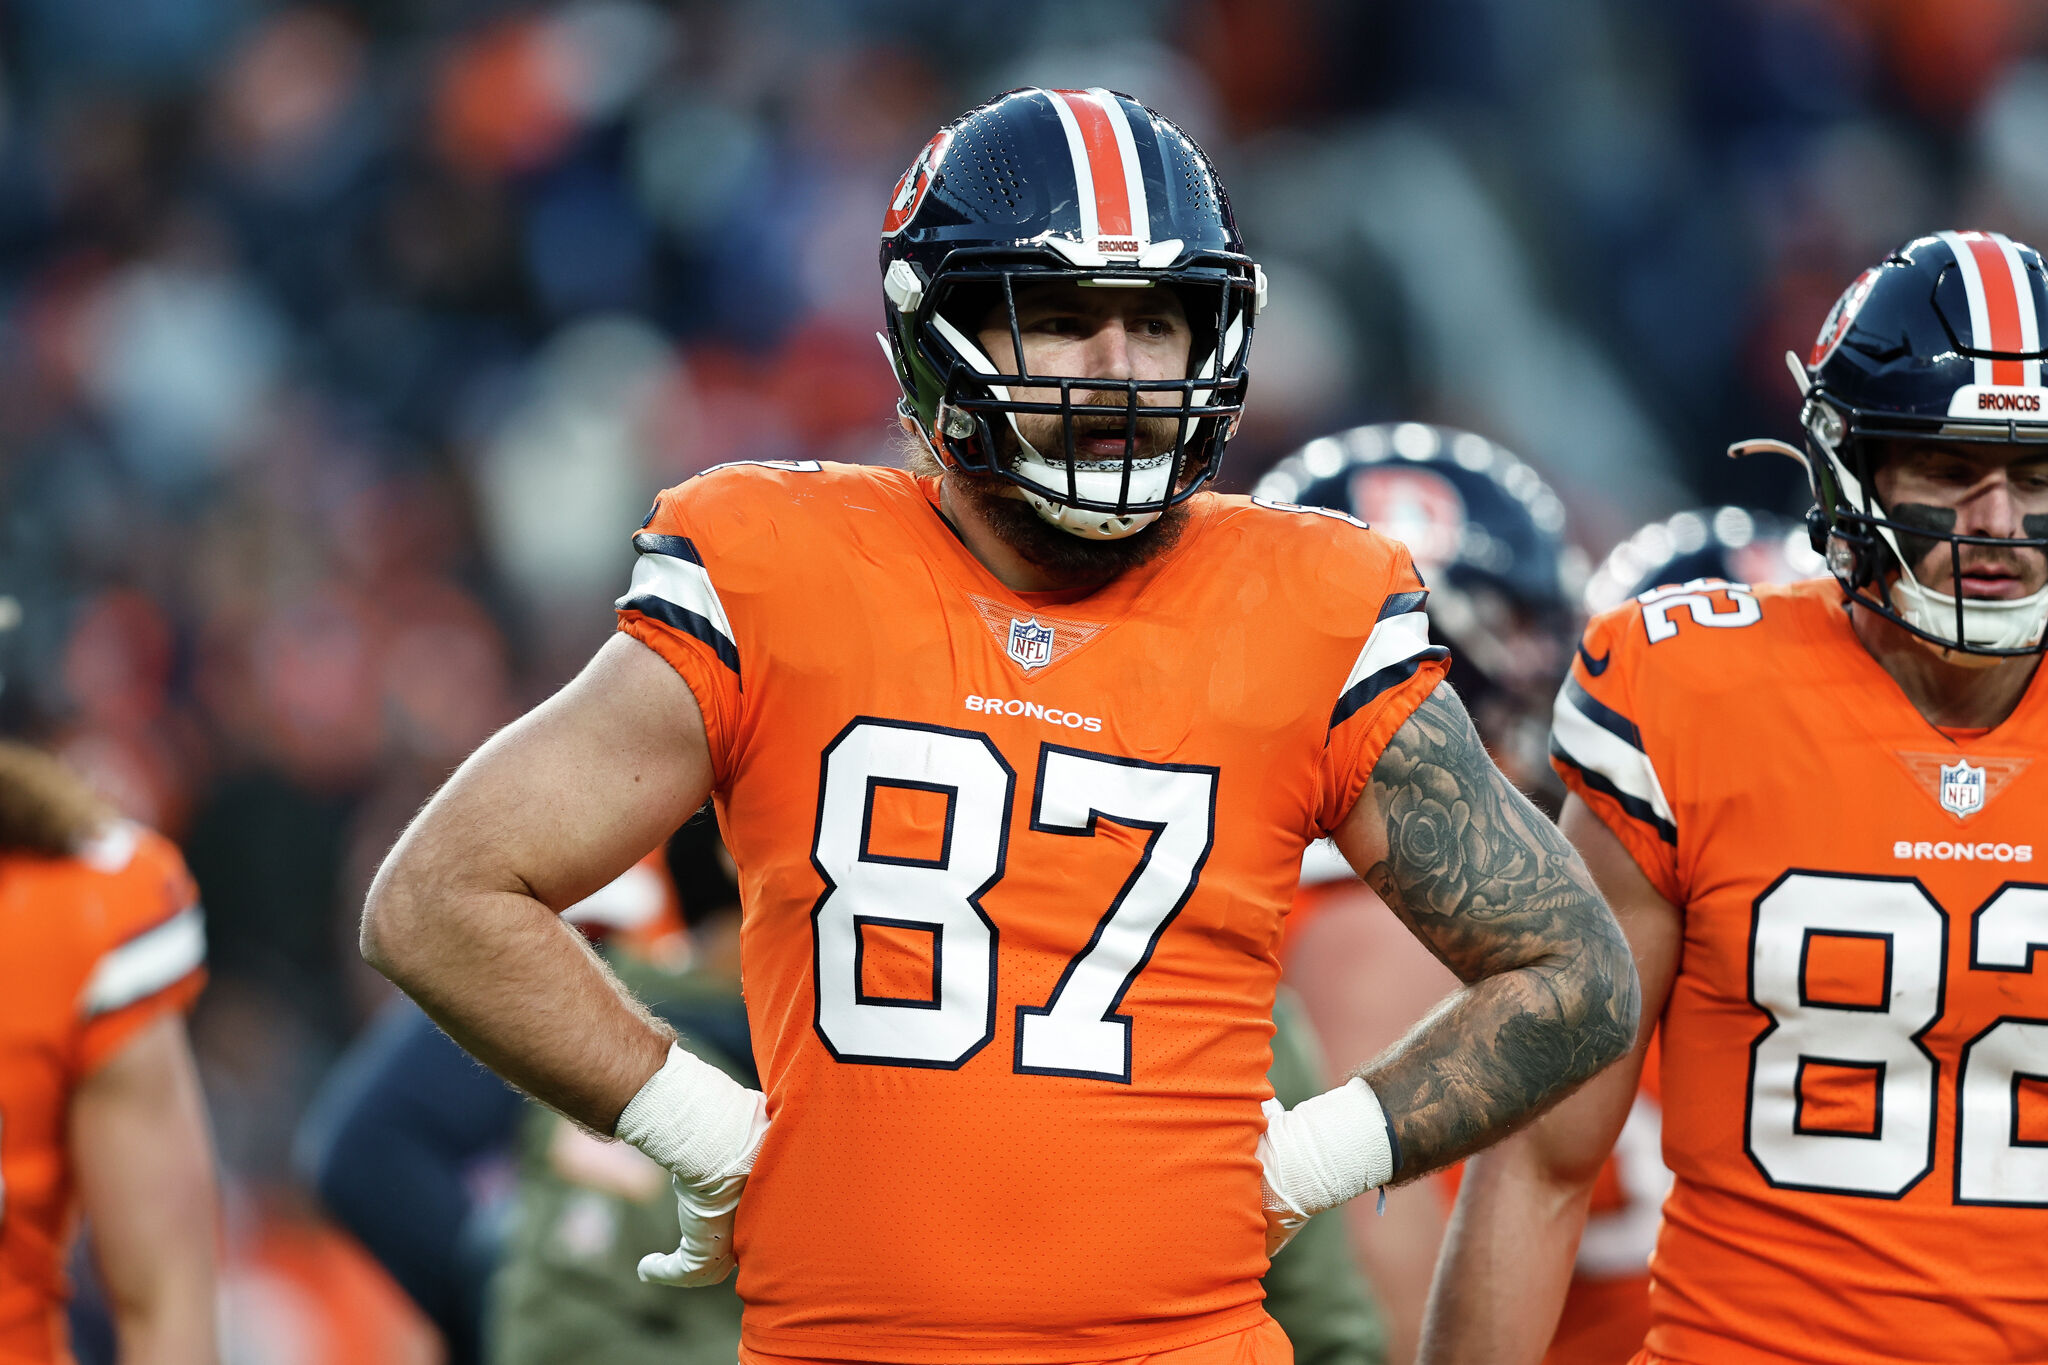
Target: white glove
[
  {"x": 1326, "y": 1150},
  {"x": 706, "y": 1128}
]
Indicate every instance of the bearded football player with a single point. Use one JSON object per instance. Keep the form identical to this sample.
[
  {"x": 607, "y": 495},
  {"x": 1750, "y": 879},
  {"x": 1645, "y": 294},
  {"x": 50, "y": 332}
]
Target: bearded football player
[
  {"x": 1017, "y": 760},
  {"x": 1817, "y": 809}
]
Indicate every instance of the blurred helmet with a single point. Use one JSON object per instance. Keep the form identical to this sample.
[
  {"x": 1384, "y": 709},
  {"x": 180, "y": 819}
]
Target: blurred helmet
[
  {"x": 1943, "y": 340},
  {"x": 1088, "y": 186},
  {"x": 1488, "y": 536},
  {"x": 1738, "y": 544}
]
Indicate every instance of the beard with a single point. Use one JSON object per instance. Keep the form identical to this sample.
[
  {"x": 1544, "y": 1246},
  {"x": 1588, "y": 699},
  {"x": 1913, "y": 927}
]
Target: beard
[
  {"x": 1075, "y": 561},
  {"x": 1072, "y": 561}
]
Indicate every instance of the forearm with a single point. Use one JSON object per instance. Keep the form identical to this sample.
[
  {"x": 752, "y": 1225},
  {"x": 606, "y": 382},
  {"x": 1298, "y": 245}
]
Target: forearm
[
  {"x": 520, "y": 990},
  {"x": 144, "y": 1167},
  {"x": 1500, "y": 1051},
  {"x": 1506, "y": 1263},
  {"x": 1495, "y": 891},
  {"x": 174, "y": 1324}
]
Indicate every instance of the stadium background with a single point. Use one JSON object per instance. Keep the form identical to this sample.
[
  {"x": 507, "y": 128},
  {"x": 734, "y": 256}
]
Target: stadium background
[{"x": 342, "y": 345}]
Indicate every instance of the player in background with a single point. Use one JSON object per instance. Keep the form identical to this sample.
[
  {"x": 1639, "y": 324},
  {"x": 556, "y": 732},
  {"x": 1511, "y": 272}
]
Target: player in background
[
  {"x": 1606, "y": 1310},
  {"x": 1735, "y": 544},
  {"x": 102, "y": 951},
  {"x": 1018, "y": 758},
  {"x": 1817, "y": 808},
  {"x": 1488, "y": 536},
  {"x": 405, "y": 1128}
]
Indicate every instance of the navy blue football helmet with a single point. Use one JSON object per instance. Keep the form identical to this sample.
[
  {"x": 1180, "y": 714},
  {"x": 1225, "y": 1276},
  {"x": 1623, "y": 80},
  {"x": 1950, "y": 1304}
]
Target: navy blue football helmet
[
  {"x": 1942, "y": 341},
  {"x": 1488, "y": 536},
  {"x": 1087, "y": 186},
  {"x": 1737, "y": 544}
]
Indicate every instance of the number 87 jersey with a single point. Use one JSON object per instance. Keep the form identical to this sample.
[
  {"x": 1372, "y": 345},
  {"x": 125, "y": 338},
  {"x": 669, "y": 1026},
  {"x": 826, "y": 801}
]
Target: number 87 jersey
[
  {"x": 1855, "y": 1050},
  {"x": 1014, "y": 869}
]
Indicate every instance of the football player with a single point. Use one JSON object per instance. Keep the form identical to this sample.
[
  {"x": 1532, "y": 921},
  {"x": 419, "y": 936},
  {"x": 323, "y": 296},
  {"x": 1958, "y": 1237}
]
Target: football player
[
  {"x": 101, "y": 954},
  {"x": 1488, "y": 535},
  {"x": 1017, "y": 757},
  {"x": 1817, "y": 807}
]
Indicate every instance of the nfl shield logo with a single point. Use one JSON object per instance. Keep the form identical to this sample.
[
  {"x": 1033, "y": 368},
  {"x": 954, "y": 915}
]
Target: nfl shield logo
[
  {"x": 1031, "y": 643},
  {"x": 1962, "y": 787}
]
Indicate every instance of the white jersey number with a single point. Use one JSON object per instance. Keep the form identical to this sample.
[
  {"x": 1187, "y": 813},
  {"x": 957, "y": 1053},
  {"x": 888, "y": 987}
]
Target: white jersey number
[
  {"x": 1077, "y": 1031},
  {"x": 1697, "y": 599},
  {"x": 1880, "y": 1035}
]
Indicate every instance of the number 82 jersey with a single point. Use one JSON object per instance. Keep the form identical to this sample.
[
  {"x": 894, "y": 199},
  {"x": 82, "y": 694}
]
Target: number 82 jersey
[
  {"x": 1013, "y": 869},
  {"x": 1855, "y": 1050}
]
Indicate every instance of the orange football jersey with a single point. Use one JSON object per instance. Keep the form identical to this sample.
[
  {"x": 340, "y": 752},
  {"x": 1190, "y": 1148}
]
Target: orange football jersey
[
  {"x": 1014, "y": 869},
  {"x": 1855, "y": 1051},
  {"x": 92, "y": 948}
]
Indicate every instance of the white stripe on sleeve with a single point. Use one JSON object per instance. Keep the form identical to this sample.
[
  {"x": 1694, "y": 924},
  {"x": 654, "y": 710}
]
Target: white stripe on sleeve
[
  {"x": 1597, "y": 749},
  {"x": 146, "y": 964},
  {"x": 679, "y": 582},
  {"x": 1394, "y": 640}
]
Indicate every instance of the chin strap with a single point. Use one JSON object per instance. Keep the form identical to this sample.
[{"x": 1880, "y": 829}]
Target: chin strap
[{"x": 1988, "y": 623}]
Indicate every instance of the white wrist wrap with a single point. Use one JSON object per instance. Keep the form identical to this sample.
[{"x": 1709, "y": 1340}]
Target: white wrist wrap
[
  {"x": 696, "y": 1120},
  {"x": 1331, "y": 1148}
]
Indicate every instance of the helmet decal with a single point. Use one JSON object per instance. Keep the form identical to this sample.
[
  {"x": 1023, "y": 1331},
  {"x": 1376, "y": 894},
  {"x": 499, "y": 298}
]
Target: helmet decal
[
  {"x": 1839, "y": 317},
  {"x": 908, "y": 196},
  {"x": 1109, "y": 182},
  {"x": 1421, "y": 509},
  {"x": 2002, "y": 316}
]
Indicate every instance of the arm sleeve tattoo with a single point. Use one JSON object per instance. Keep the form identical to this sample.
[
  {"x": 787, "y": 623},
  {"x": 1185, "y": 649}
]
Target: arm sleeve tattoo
[{"x": 1496, "y": 892}]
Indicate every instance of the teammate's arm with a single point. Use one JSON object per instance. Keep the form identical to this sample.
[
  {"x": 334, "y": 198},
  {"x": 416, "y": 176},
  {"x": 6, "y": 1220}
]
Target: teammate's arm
[
  {"x": 1507, "y": 1259},
  {"x": 463, "y": 913},
  {"x": 1495, "y": 891},
  {"x": 144, "y": 1164}
]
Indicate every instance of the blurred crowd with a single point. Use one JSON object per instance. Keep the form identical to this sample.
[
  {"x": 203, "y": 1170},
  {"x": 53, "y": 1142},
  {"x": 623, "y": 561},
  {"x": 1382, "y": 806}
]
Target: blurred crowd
[{"x": 341, "y": 346}]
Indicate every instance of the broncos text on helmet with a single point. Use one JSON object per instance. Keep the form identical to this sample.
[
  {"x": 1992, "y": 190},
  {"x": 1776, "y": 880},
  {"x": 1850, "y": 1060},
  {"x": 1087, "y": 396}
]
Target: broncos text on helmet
[
  {"x": 1738, "y": 544},
  {"x": 1087, "y": 186},
  {"x": 1488, "y": 536},
  {"x": 1941, "y": 341}
]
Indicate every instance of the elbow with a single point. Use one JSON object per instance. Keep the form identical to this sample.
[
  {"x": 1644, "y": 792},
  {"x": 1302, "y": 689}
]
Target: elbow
[
  {"x": 374, "y": 937},
  {"x": 1614, "y": 1012},
  {"x": 387, "y": 926},
  {"x": 1627, "y": 1004}
]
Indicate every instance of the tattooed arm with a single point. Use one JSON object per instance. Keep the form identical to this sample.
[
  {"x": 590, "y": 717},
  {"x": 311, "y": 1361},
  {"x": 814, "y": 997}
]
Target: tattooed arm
[
  {"x": 1507, "y": 1261},
  {"x": 1494, "y": 890}
]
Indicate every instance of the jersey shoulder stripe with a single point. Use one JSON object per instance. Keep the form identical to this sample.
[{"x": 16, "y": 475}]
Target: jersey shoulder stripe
[
  {"x": 1606, "y": 750},
  {"x": 1398, "y": 646},
  {"x": 154, "y": 960},
  {"x": 671, "y": 584}
]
